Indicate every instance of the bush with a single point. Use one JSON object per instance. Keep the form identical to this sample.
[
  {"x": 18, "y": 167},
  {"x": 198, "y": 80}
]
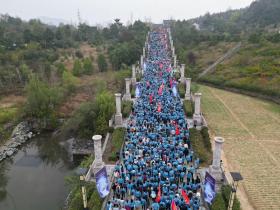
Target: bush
[
  {"x": 102, "y": 64},
  {"x": 69, "y": 82},
  {"x": 92, "y": 117},
  {"x": 188, "y": 108},
  {"x": 41, "y": 100},
  {"x": 181, "y": 89},
  {"x": 8, "y": 114},
  {"x": 88, "y": 67},
  {"x": 133, "y": 92},
  {"x": 219, "y": 203},
  {"x": 79, "y": 54},
  {"x": 206, "y": 138},
  {"x": 111, "y": 129},
  {"x": 199, "y": 148},
  {"x": 77, "y": 68},
  {"x": 117, "y": 141},
  {"x": 126, "y": 108},
  {"x": 222, "y": 199}
]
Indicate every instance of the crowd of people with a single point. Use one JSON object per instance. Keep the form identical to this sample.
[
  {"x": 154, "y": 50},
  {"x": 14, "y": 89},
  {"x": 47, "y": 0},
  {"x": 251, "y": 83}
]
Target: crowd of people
[{"x": 157, "y": 167}]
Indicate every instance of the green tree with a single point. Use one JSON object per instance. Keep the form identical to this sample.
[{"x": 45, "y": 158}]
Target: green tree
[
  {"x": 102, "y": 64},
  {"x": 77, "y": 68},
  {"x": 41, "y": 100},
  {"x": 60, "y": 68},
  {"x": 88, "y": 67},
  {"x": 69, "y": 81}
]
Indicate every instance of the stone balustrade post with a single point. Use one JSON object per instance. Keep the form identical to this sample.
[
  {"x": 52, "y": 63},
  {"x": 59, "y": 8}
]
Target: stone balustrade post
[
  {"x": 133, "y": 79},
  {"x": 197, "y": 113},
  {"x": 182, "y": 71},
  {"x": 173, "y": 51},
  {"x": 118, "y": 115},
  {"x": 175, "y": 61},
  {"x": 215, "y": 169},
  {"x": 127, "y": 95},
  {"x": 98, "y": 162},
  {"x": 188, "y": 89}
]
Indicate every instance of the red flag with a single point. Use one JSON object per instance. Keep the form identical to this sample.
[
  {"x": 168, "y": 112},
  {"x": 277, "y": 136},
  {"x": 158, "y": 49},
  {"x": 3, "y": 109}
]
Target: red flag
[
  {"x": 177, "y": 132},
  {"x": 151, "y": 99},
  {"x": 185, "y": 196},
  {"x": 159, "y": 108},
  {"x": 173, "y": 205},
  {"x": 171, "y": 82},
  {"x": 160, "y": 90},
  {"x": 158, "y": 195}
]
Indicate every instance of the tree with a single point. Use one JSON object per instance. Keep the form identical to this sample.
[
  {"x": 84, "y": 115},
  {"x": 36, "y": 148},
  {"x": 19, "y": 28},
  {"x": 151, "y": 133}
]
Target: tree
[
  {"x": 77, "y": 69},
  {"x": 191, "y": 58},
  {"x": 69, "y": 81},
  {"x": 102, "y": 64},
  {"x": 41, "y": 100},
  {"x": 88, "y": 67}
]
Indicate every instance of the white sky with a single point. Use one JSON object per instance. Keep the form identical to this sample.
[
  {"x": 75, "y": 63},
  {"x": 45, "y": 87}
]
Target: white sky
[{"x": 104, "y": 11}]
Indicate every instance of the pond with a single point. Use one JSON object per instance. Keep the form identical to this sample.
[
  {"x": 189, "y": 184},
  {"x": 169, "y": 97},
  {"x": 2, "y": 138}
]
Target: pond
[{"x": 33, "y": 179}]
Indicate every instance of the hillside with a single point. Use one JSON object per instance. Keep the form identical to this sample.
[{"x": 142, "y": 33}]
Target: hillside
[
  {"x": 56, "y": 70},
  {"x": 254, "y": 68}
]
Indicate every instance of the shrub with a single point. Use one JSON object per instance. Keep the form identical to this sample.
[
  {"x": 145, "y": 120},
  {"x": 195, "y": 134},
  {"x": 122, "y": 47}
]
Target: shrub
[
  {"x": 219, "y": 203},
  {"x": 199, "y": 148},
  {"x": 79, "y": 54},
  {"x": 206, "y": 138},
  {"x": 117, "y": 141},
  {"x": 126, "y": 108},
  {"x": 88, "y": 67},
  {"x": 69, "y": 82},
  {"x": 77, "y": 68},
  {"x": 133, "y": 92},
  {"x": 41, "y": 99},
  {"x": 181, "y": 89},
  {"x": 92, "y": 117},
  {"x": 188, "y": 108},
  {"x": 111, "y": 129},
  {"x": 8, "y": 114},
  {"x": 102, "y": 64},
  {"x": 222, "y": 199}
]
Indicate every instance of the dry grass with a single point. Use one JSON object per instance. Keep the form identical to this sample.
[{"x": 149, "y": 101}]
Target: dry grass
[{"x": 251, "y": 128}]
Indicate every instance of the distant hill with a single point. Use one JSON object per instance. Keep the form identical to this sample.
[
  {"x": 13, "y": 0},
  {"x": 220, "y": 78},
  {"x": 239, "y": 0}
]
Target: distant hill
[
  {"x": 259, "y": 14},
  {"x": 53, "y": 21},
  {"x": 255, "y": 68}
]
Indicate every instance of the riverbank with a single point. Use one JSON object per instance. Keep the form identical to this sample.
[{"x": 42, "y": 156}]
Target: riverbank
[{"x": 20, "y": 135}]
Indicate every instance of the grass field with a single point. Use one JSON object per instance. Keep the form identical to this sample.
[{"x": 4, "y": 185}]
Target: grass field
[{"x": 251, "y": 128}]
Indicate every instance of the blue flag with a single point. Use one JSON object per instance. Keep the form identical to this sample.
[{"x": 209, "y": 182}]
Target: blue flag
[
  {"x": 137, "y": 92},
  {"x": 174, "y": 90}
]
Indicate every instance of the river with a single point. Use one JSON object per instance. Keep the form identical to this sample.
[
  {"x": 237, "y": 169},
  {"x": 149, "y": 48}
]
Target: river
[{"x": 33, "y": 179}]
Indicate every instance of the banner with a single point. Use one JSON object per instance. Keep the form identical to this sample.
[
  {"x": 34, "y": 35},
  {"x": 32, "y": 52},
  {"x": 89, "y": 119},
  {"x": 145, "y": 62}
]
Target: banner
[
  {"x": 102, "y": 183},
  {"x": 174, "y": 90},
  {"x": 137, "y": 92},
  {"x": 209, "y": 191}
]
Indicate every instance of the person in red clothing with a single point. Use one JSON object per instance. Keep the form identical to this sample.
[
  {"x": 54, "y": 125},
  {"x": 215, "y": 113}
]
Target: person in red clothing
[{"x": 151, "y": 99}]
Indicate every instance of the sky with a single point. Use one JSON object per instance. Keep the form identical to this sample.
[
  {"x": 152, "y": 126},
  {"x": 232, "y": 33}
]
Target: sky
[{"x": 105, "y": 11}]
